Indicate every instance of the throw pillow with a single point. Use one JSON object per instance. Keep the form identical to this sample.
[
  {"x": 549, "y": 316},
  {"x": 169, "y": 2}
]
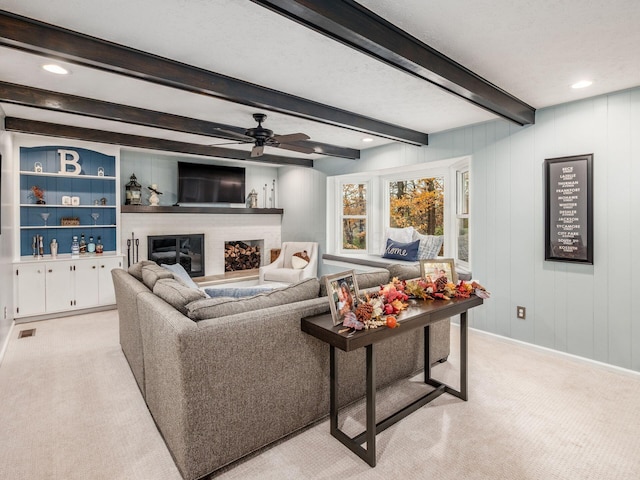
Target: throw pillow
[
  {"x": 179, "y": 273},
  {"x": 430, "y": 245},
  {"x": 402, "y": 251},
  {"x": 223, "y": 306},
  {"x": 136, "y": 268},
  {"x": 300, "y": 260},
  {"x": 402, "y": 235}
]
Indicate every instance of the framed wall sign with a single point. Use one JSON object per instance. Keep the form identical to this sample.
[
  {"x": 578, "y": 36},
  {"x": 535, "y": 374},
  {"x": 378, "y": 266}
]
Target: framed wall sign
[{"x": 569, "y": 209}]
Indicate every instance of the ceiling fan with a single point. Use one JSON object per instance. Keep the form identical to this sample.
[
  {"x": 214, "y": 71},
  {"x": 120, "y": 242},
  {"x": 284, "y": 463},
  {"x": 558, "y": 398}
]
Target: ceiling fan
[{"x": 263, "y": 137}]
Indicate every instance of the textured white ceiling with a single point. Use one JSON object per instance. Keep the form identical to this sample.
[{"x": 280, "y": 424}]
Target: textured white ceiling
[{"x": 533, "y": 50}]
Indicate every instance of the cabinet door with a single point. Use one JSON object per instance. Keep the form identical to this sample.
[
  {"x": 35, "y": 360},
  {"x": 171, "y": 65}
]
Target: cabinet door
[
  {"x": 86, "y": 280},
  {"x": 107, "y": 292},
  {"x": 30, "y": 289},
  {"x": 59, "y": 286}
]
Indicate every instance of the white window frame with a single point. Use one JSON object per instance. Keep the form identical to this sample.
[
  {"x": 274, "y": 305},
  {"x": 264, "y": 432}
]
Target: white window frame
[
  {"x": 459, "y": 168},
  {"x": 366, "y": 216},
  {"x": 378, "y": 203}
]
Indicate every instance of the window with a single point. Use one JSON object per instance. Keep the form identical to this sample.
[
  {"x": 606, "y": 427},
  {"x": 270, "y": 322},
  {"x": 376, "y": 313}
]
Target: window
[
  {"x": 417, "y": 203},
  {"x": 462, "y": 216},
  {"x": 354, "y": 216},
  {"x": 433, "y": 197}
]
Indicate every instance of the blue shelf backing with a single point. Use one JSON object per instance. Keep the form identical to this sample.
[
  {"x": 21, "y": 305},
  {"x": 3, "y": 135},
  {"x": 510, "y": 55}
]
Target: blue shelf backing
[{"x": 89, "y": 190}]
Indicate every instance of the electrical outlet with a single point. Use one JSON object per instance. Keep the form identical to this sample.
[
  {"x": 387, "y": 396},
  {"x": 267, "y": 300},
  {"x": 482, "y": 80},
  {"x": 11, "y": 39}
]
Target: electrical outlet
[{"x": 521, "y": 312}]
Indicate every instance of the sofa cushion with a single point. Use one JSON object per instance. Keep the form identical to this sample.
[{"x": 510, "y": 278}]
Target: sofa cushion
[
  {"x": 179, "y": 273},
  {"x": 136, "y": 268},
  {"x": 402, "y": 251},
  {"x": 221, "y": 307},
  {"x": 284, "y": 275},
  {"x": 430, "y": 245},
  {"x": 152, "y": 273},
  {"x": 404, "y": 272},
  {"x": 176, "y": 293},
  {"x": 372, "y": 278}
]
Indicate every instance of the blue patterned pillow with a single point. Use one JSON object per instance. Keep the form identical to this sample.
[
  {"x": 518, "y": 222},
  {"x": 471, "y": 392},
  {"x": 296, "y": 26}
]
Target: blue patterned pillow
[
  {"x": 402, "y": 251},
  {"x": 430, "y": 245}
]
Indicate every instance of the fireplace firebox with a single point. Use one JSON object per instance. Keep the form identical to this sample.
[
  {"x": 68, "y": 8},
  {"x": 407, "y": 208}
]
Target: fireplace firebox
[{"x": 187, "y": 250}]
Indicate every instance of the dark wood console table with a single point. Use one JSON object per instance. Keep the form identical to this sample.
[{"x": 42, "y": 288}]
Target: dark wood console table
[{"x": 419, "y": 314}]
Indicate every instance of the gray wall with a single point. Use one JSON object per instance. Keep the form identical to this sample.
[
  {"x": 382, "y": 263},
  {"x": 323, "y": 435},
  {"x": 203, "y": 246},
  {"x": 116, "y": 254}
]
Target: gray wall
[{"x": 590, "y": 311}]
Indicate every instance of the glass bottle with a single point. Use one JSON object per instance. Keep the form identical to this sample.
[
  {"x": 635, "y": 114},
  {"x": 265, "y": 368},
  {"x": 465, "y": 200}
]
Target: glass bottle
[
  {"x": 75, "y": 247},
  {"x": 83, "y": 245},
  {"x": 91, "y": 247},
  {"x": 99, "y": 246}
]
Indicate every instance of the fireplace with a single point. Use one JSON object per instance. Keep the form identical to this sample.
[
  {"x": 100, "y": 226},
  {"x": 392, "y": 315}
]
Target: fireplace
[
  {"x": 242, "y": 255},
  {"x": 187, "y": 250}
]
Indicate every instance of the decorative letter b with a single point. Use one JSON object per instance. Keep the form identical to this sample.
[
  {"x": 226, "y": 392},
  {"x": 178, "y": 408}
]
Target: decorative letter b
[{"x": 72, "y": 161}]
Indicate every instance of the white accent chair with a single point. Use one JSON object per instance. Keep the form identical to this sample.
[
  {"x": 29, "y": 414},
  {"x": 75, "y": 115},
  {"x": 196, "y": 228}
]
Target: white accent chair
[{"x": 281, "y": 269}]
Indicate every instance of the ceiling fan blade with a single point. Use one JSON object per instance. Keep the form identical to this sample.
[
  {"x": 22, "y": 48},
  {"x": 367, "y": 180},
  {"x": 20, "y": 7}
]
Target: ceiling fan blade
[
  {"x": 292, "y": 137},
  {"x": 231, "y": 133},
  {"x": 226, "y": 143},
  {"x": 296, "y": 148},
  {"x": 257, "y": 151}
]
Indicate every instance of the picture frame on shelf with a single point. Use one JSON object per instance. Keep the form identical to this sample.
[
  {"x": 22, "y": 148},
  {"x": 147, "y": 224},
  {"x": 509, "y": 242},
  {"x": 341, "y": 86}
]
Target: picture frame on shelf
[
  {"x": 433, "y": 268},
  {"x": 342, "y": 291}
]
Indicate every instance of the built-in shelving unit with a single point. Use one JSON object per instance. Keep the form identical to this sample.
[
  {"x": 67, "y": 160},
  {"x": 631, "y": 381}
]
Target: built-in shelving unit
[
  {"x": 91, "y": 179},
  {"x": 209, "y": 210}
]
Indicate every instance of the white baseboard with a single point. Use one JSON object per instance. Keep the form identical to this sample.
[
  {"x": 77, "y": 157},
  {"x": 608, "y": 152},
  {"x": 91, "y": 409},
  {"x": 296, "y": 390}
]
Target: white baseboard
[{"x": 606, "y": 366}]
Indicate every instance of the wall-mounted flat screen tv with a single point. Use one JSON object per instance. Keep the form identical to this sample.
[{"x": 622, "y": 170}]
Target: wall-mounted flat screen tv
[{"x": 203, "y": 183}]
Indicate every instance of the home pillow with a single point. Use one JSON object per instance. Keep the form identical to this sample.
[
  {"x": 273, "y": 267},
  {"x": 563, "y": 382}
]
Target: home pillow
[
  {"x": 179, "y": 273},
  {"x": 177, "y": 294},
  {"x": 402, "y": 251},
  {"x": 403, "y": 235},
  {"x": 299, "y": 260},
  {"x": 152, "y": 273},
  {"x": 430, "y": 245},
  {"x": 221, "y": 307}
]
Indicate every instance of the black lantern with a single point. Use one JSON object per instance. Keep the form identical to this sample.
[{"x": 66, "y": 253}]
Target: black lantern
[{"x": 133, "y": 192}]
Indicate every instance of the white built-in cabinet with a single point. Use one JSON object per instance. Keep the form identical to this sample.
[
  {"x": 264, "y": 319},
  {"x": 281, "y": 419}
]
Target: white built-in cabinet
[
  {"x": 60, "y": 285},
  {"x": 64, "y": 191}
]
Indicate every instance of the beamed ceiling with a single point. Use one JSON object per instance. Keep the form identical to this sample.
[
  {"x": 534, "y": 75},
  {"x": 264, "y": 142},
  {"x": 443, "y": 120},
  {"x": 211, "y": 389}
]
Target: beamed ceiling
[{"x": 186, "y": 77}]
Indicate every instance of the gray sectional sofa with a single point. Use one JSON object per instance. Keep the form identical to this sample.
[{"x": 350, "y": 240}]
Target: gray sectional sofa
[{"x": 224, "y": 377}]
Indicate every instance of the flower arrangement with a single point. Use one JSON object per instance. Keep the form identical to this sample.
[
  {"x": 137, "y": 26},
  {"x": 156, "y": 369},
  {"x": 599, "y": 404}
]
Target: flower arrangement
[
  {"x": 393, "y": 297},
  {"x": 38, "y": 194}
]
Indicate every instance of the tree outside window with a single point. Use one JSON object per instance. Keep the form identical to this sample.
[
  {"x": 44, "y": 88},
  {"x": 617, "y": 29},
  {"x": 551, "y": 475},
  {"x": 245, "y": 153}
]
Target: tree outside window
[
  {"x": 354, "y": 216},
  {"x": 417, "y": 203}
]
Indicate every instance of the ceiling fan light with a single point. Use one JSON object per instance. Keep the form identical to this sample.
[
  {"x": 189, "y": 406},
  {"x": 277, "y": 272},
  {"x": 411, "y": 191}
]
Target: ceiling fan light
[
  {"x": 582, "y": 84},
  {"x": 57, "y": 69}
]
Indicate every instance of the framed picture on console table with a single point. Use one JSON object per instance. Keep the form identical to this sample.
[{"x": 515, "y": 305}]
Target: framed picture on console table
[
  {"x": 342, "y": 290},
  {"x": 433, "y": 268},
  {"x": 569, "y": 209}
]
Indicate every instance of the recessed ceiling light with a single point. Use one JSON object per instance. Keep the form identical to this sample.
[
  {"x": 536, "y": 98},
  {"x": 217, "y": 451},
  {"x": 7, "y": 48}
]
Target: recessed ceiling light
[
  {"x": 367, "y": 139},
  {"x": 57, "y": 69},
  {"x": 582, "y": 84}
]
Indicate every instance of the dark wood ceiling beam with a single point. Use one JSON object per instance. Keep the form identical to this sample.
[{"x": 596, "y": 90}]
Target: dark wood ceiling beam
[
  {"x": 352, "y": 24},
  {"x": 34, "y": 127},
  {"x": 61, "y": 102},
  {"x": 37, "y": 37}
]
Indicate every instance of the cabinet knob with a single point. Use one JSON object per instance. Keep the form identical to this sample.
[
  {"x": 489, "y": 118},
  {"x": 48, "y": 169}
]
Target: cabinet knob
[
  {"x": 93, "y": 267},
  {"x": 39, "y": 271},
  {"x": 101, "y": 266},
  {"x": 48, "y": 271}
]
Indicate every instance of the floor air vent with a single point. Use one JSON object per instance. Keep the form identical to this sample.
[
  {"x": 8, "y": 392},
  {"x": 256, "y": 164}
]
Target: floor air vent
[{"x": 27, "y": 333}]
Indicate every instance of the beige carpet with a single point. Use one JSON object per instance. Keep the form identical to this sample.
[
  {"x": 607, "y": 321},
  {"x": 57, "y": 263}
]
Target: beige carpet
[{"x": 70, "y": 409}]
